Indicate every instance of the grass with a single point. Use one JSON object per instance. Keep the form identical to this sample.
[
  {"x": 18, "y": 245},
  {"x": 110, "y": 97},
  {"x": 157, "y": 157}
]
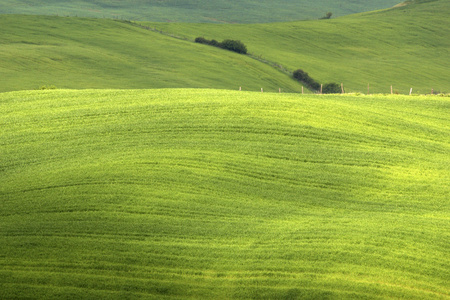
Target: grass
[
  {"x": 407, "y": 47},
  {"x": 89, "y": 53},
  {"x": 213, "y": 11},
  {"x": 195, "y": 193}
]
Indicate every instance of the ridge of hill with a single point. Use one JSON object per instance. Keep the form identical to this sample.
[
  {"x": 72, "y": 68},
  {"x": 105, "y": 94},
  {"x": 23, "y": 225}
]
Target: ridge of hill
[
  {"x": 406, "y": 47},
  {"x": 183, "y": 193},
  {"x": 212, "y": 11}
]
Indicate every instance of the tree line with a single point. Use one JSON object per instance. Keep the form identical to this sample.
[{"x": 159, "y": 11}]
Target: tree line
[
  {"x": 327, "y": 88},
  {"x": 232, "y": 45}
]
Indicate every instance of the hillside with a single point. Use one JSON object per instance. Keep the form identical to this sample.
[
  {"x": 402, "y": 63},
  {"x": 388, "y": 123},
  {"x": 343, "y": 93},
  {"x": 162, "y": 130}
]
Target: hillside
[
  {"x": 92, "y": 53},
  {"x": 407, "y": 47},
  {"x": 212, "y": 194},
  {"x": 194, "y": 11}
]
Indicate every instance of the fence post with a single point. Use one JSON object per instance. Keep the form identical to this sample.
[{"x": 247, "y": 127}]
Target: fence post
[
  {"x": 432, "y": 91},
  {"x": 261, "y": 90},
  {"x": 240, "y": 88},
  {"x": 279, "y": 90},
  {"x": 410, "y": 91},
  {"x": 391, "y": 90},
  {"x": 368, "y": 88},
  {"x": 302, "y": 89},
  {"x": 342, "y": 88},
  {"x": 321, "y": 85}
]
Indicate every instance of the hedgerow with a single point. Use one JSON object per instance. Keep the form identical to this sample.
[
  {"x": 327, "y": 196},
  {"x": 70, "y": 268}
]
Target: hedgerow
[
  {"x": 232, "y": 45},
  {"x": 302, "y": 76}
]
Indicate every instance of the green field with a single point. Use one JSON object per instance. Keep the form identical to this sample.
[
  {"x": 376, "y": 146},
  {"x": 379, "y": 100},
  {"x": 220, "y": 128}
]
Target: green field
[
  {"x": 213, "y": 194},
  {"x": 89, "y": 53},
  {"x": 212, "y": 11},
  {"x": 406, "y": 47}
]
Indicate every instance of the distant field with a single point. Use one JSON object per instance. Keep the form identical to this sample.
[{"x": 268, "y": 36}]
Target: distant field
[
  {"x": 212, "y": 11},
  {"x": 184, "y": 193},
  {"x": 83, "y": 53},
  {"x": 407, "y": 47}
]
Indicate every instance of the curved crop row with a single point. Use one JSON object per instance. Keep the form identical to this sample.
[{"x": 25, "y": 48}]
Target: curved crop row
[{"x": 219, "y": 194}]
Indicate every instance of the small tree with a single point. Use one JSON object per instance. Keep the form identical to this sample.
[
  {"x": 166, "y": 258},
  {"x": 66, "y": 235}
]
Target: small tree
[
  {"x": 327, "y": 16},
  {"x": 201, "y": 40},
  {"x": 302, "y": 76},
  {"x": 214, "y": 43},
  {"x": 232, "y": 45},
  {"x": 331, "y": 88}
]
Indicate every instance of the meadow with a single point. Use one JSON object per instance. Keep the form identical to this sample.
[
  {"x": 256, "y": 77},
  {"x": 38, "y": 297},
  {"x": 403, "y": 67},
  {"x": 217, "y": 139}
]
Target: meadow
[
  {"x": 406, "y": 47},
  {"x": 194, "y": 11},
  {"x": 81, "y": 53},
  {"x": 201, "y": 193}
]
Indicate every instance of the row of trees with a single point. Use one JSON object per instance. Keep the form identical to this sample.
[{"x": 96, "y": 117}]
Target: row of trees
[
  {"x": 327, "y": 88},
  {"x": 232, "y": 45}
]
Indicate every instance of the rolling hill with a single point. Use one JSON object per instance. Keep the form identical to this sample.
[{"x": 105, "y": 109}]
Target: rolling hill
[
  {"x": 213, "y": 194},
  {"x": 144, "y": 176},
  {"x": 194, "y": 11},
  {"x": 82, "y": 53},
  {"x": 406, "y": 47}
]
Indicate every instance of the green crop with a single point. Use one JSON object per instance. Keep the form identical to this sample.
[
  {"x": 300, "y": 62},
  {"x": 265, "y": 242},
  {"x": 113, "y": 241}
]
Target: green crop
[
  {"x": 213, "y": 11},
  {"x": 406, "y": 47},
  {"x": 183, "y": 193},
  {"x": 38, "y": 51}
]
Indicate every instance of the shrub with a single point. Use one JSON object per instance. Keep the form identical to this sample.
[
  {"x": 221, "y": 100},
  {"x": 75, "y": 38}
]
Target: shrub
[
  {"x": 315, "y": 85},
  {"x": 327, "y": 16},
  {"x": 214, "y": 43},
  {"x": 232, "y": 45},
  {"x": 302, "y": 76},
  {"x": 201, "y": 40},
  {"x": 331, "y": 88}
]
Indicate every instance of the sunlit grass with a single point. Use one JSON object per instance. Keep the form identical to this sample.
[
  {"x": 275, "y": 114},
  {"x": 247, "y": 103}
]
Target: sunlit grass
[{"x": 184, "y": 193}]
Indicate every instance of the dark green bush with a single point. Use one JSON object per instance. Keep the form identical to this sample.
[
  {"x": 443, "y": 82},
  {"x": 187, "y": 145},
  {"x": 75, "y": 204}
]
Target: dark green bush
[
  {"x": 214, "y": 43},
  {"x": 201, "y": 40},
  {"x": 232, "y": 45},
  {"x": 302, "y": 76},
  {"x": 331, "y": 88},
  {"x": 315, "y": 85},
  {"x": 327, "y": 16}
]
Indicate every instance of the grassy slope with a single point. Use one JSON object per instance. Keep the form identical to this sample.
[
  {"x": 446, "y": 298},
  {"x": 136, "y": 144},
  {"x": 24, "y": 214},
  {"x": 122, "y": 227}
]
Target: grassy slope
[
  {"x": 244, "y": 11},
  {"x": 221, "y": 194},
  {"x": 92, "y": 53},
  {"x": 404, "y": 47}
]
